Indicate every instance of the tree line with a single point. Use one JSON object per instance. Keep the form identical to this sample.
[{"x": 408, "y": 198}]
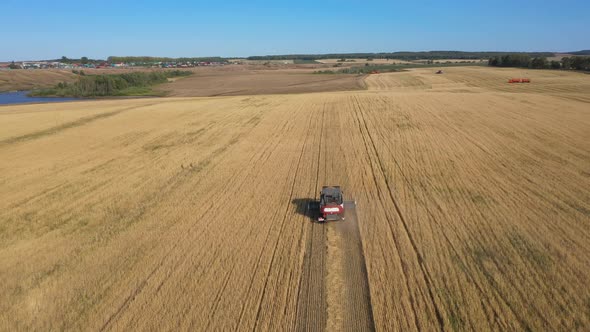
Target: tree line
[
  {"x": 430, "y": 55},
  {"x": 583, "y": 52},
  {"x": 83, "y": 60},
  {"x": 538, "y": 62}
]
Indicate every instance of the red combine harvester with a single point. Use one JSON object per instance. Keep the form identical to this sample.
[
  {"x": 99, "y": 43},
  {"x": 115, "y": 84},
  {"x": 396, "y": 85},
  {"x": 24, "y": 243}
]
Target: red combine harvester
[
  {"x": 331, "y": 204},
  {"x": 519, "y": 80}
]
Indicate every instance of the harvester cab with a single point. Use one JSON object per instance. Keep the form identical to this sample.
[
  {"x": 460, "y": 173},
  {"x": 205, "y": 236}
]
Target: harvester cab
[{"x": 331, "y": 204}]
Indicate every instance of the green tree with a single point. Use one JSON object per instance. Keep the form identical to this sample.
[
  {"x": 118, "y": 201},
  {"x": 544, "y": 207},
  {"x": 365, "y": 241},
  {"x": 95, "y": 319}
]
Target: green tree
[
  {"x": 84, "y": 60},
  {"x": 538, "y": 63},
  {"x": 566, "y": 63},
  {"x": 510, "y": 60},
  {"x": 580, "y": 62},
  {"x": 555, "y": 64}
]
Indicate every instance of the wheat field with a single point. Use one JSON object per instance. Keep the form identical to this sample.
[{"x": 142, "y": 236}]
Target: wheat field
[{"x": 185, "y": 213}]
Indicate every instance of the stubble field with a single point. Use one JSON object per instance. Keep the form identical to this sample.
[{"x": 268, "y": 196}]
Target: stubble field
[
  {"x": 17, "y": 80},
  {"x": 240, "y": 80},
  {"x": 190, "y": 213}
]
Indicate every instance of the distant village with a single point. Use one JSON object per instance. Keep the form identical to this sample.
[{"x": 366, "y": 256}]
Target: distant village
[{"x": 63, "y": 65}]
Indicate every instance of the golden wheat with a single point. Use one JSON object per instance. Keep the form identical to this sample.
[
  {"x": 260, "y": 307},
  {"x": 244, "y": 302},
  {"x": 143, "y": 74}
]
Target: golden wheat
[{"x": 185, "y": 213}]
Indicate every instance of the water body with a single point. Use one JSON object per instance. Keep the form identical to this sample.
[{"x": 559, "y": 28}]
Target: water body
[{"x": 20, "y": 97}]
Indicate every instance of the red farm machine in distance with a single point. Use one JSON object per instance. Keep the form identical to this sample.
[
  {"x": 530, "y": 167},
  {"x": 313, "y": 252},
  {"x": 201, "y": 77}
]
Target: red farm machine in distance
[{"x": 519, "y": 80}]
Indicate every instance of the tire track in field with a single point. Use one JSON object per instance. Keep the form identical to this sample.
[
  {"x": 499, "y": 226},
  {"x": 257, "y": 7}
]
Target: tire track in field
[
  {"x": 396, "y": 244},
  {"x": 178, "y": 179},
  {"x": 426, "y": 275},
  {"x": 311, "y": 307},
  {"x": 295, "y": 177},
  {"x": 497, "y": 295},
  {"x": 311, "y": 303},
  {"x": 334, "y": 289},
  {"x": 238, "y": 184},
  {"x": 241, "y": 181},
  {"x": 263, "y": 158},
  {"x": 136, "y": 292},
  {"x": 348, "y": 296},
  {"x": 485, "y": 301},
  {"x": 267, "y": 152},
  {"x": 68, "y": 125},
  {"x": 484, "y": 297}
]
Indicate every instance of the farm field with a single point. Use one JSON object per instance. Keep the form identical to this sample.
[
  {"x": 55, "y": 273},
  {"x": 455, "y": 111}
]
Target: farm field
[
  {"x": 229, "y": 80},
  {"x": 472, "y": 205},
  {"x": 362, "y": 61},
  {"x": 28, "y": 79},
  {"x": 251, "y": 80},
  {"x": 17, "y": 80}
]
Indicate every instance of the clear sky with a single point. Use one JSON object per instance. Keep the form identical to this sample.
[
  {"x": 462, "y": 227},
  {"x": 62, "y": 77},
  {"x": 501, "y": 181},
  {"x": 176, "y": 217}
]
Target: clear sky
[{"x": 49, "y": 29}]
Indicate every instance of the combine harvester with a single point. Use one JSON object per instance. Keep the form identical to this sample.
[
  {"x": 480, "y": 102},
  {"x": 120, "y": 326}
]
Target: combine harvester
[
  {"x": 519, "y": 80},
  {"x": 332, "y": 205}
]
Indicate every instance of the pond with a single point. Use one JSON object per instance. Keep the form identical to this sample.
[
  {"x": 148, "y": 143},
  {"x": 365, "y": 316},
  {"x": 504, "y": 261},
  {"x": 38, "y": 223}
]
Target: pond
[{"x": 20, "y": 97}]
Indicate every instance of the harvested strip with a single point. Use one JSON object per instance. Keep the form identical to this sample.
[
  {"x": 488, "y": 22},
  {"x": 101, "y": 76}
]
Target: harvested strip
[{"x": 349, "y": 299}]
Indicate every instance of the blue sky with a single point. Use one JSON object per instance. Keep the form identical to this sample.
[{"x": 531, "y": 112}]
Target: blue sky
[{"x": 97, "y": 29}]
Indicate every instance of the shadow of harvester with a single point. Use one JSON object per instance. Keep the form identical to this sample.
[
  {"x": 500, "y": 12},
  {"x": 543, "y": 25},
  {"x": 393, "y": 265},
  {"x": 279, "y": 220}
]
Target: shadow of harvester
[{"x": 308, "y": 207}]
